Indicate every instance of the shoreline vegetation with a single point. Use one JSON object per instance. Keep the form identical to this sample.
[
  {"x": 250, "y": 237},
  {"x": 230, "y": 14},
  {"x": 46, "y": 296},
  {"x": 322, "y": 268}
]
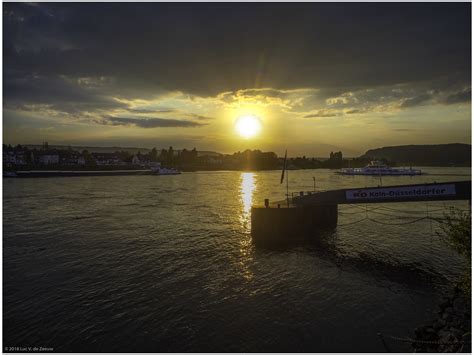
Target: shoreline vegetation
[
  {"x": 61, "y": 158},
  {"x": 451, "y": 330}
]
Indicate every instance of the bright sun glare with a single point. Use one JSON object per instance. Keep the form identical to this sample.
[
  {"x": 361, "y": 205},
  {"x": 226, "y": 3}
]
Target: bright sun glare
[{"x": 248, "y": 126}]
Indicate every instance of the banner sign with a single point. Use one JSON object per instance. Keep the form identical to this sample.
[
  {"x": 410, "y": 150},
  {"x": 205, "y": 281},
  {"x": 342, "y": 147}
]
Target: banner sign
[{"x": 402, "y": 192}]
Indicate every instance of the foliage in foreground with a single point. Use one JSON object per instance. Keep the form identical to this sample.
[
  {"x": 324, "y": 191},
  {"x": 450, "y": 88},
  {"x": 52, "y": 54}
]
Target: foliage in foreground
[{"x": 456, "y": 232}]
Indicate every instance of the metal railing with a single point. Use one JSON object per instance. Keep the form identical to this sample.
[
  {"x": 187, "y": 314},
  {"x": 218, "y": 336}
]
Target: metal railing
[{"x": 304, "y": 193}]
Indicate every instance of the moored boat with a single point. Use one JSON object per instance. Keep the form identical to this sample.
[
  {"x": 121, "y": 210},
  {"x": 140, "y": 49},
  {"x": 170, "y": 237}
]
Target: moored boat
[
  {"x": 378, "y": 168},
  {"x": 165, "y": 171},
  {"x": 9, "y": 174}
]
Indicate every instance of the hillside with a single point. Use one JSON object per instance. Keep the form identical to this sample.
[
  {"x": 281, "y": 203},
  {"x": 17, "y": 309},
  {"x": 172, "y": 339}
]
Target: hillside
[{"x": 455, "y": 154}]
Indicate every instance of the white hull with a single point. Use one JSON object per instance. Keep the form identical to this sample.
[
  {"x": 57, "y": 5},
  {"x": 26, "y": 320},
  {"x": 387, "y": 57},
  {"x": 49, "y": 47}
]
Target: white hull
[
  {"x": 378, "y": 168},
  {"x": 380, "y": 172}
]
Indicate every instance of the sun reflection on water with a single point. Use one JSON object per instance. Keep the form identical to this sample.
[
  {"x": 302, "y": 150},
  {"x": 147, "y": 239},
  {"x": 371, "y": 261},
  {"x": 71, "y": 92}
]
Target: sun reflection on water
[{"x": 247, "y": 189}]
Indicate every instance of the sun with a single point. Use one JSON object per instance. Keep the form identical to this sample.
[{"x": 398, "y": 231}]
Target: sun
[{"x": 248, "y": 126}]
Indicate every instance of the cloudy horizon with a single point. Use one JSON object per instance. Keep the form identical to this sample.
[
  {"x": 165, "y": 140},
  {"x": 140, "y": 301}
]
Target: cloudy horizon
[{"x": 318, "y": 76}]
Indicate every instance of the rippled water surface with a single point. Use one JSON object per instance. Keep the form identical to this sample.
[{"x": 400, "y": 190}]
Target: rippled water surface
[{"x": 166, "y": 263}]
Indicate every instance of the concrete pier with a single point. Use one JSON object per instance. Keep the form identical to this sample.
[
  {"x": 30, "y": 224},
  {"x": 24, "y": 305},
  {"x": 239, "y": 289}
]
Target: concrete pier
[
  {"x": 272, "y": 225},
  {"x": 306, "y": 216}
]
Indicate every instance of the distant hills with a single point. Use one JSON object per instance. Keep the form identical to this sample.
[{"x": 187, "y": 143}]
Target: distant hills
[{"x": 455, "y": 154}]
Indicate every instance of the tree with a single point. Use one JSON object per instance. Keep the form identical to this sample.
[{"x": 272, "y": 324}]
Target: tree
[
  {"x": 170, "y": 156},
  {"x": 154, "y": 154},
  {"x": 88, "y": 158},
  {"x": 163, "y": 156},
  {"x": 184, "y": 156}
]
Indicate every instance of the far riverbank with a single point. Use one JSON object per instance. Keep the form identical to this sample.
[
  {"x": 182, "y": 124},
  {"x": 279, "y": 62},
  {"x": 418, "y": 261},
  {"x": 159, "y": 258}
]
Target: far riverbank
[{"x": 72, "y": 173}]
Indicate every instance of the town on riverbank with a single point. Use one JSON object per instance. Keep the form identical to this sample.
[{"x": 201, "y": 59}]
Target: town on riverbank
[
  {"x": 45, "y": 157},
  {"x": 21, "y": 158}
]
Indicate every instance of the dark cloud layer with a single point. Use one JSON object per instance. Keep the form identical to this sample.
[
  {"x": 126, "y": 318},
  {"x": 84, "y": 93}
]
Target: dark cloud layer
[
  {"x": 136, "y": 110},
  {"x": 148, "y": 122},
  {"x": 144, "y": 49},
  {"x": 60, "y": 94},
  {"x": 321, "y": 114}
]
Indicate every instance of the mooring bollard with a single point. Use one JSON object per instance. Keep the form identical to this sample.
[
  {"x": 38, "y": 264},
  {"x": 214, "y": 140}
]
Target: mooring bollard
[{"x": 267, "y": 203}]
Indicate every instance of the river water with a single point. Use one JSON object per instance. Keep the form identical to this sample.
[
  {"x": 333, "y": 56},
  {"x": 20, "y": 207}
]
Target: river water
[{"x": 167, "y": 264}]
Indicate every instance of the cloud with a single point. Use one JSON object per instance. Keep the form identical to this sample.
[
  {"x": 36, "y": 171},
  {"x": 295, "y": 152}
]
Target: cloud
[
  {"x": 119, "y": 63},
  {"x": 320, "y": 115},
  {"x": 323, "y": 113},
  {"x": 148, "y": 122},
  {"x": 391, "y": 98},
  {"x": 459, "y": 97},
  {"x": 232, "y": 50},
  {"x": 354, "y": 111},
  {"x": 200, "y": 117},
  {"x": 148, "y": 111},
  {"x": 416, "y": 101},
  {"x": 191, "y": 116},
  {"x": 56, "y": 93},
  {"x": 80, "y": 98},
  {"x": 288, "y": 100}
]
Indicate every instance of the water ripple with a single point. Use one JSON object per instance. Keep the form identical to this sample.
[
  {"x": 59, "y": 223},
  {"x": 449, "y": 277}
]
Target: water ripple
[{"x": 155, "y": 265}]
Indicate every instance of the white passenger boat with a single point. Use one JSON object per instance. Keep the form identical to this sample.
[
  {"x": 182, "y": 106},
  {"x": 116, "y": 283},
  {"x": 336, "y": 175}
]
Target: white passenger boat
[
  {"x": 165, "y": 171},
  {"x": 378, "y": 168}
]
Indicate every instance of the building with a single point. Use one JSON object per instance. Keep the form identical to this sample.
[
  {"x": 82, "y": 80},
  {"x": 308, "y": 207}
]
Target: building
[
  {"x": 14, "y": 158},
  {"x": 71, "y": 158},
  {"x": 136, "y": 160},
  {"x": 107, "y": 159},
  {"x": 145, "y": 161},
  {"x": 211, "y": 159},
  {"x": 47, "y": 158},
  {"x": 214, "y": 160}
]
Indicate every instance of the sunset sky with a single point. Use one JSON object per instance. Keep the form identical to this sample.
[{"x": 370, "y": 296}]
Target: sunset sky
[{"x": 318, "y": 77}]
